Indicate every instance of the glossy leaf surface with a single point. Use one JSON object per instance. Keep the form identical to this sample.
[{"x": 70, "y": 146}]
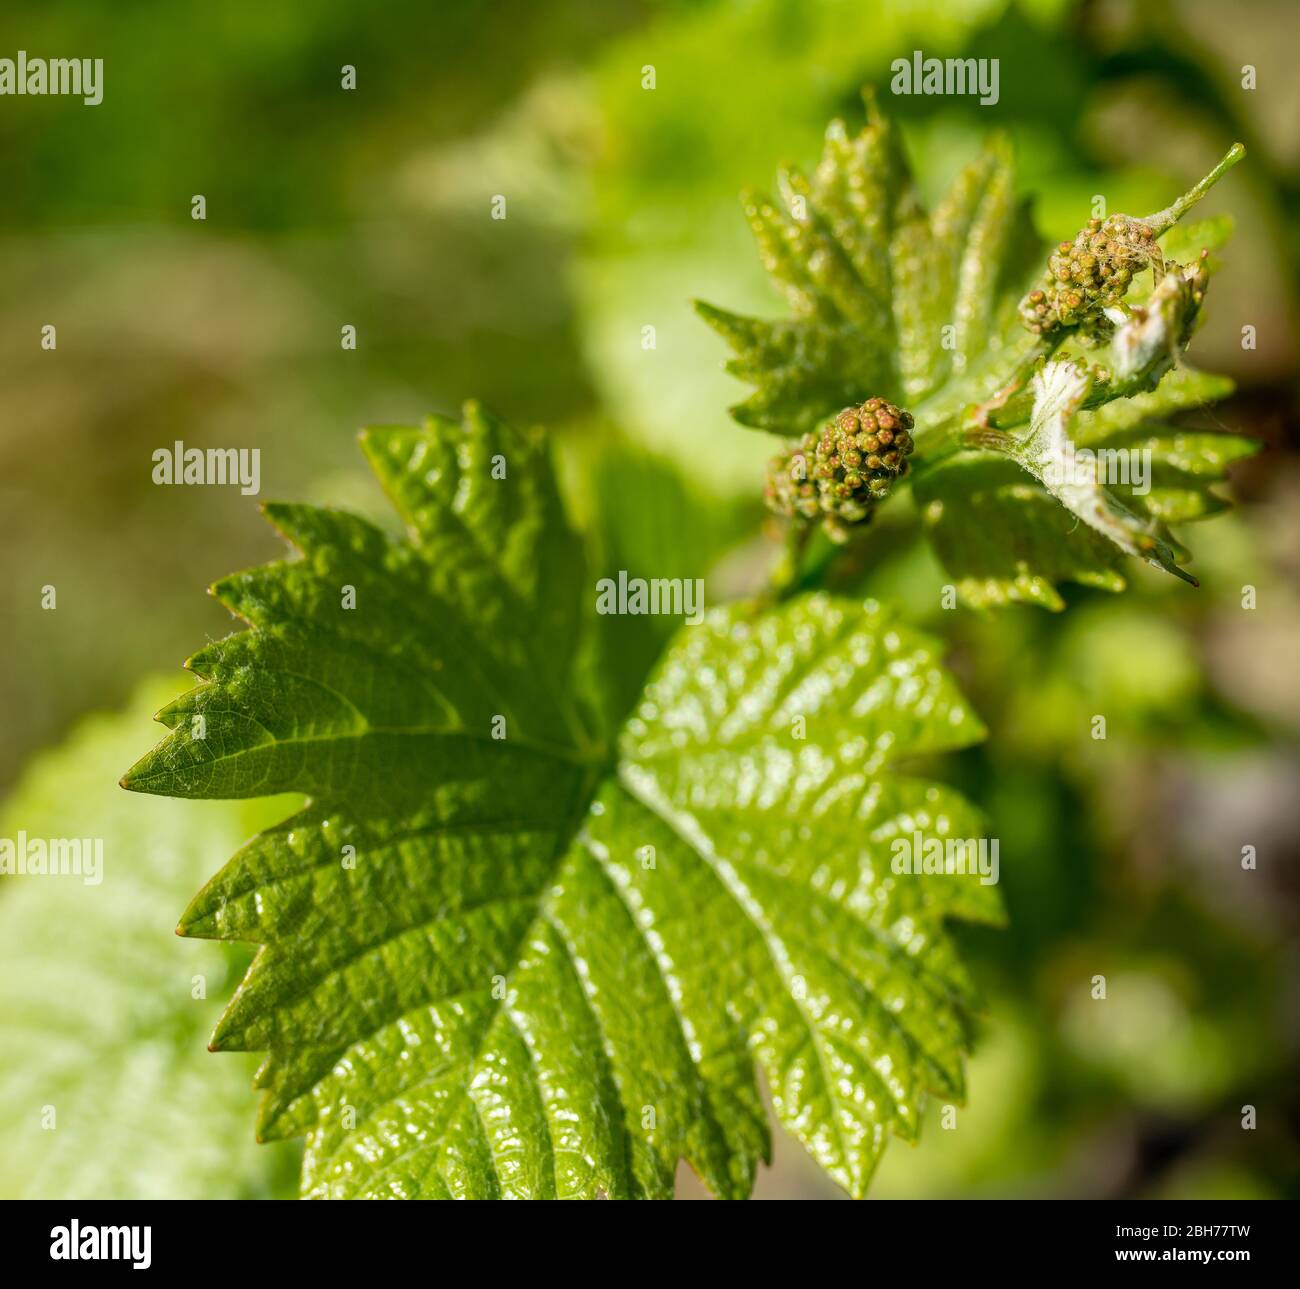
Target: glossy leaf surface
[{"x": 507, "y": 952}]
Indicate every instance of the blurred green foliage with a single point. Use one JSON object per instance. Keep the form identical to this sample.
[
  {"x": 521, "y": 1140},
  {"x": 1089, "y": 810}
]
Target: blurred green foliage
[
  {"x": 370, "y": 208},
  {"x": 108, "y": 1089}
]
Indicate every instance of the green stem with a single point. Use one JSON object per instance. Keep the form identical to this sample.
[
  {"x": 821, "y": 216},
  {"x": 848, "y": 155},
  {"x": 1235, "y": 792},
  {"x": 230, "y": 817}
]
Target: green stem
[
  {"x": 1162, "y": 221},
  {"x": 785, "y": 576},
  {"x": 1011, "y": 405}
]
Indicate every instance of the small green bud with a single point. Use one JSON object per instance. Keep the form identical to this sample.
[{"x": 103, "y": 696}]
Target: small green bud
[{"x": 790, "y": 490}]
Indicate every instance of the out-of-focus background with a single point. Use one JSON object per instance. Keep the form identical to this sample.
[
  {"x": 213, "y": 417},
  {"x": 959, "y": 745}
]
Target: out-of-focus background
[{"x": 371, "y": 208}]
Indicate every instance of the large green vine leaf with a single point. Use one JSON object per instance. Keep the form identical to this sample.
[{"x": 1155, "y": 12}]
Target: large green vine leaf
[
  {"x": 553, "y": 963},
  {"x": 921, "y": 308}
]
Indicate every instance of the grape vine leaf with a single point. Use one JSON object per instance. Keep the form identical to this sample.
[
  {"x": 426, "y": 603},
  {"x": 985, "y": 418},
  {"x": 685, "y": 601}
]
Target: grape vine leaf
[
  {"x": 1004, "y": 538},
  {"x": 922, "y": 309},
  {"x": 872, "y": 280},
  {"x": 548, "y": 964},
  {"x": 105, "y": 1089}
]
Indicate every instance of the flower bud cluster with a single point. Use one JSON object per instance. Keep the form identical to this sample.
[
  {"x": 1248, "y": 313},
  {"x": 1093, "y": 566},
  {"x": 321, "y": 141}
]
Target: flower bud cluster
[
  {"x": 840, "y": 472},
  {"x": 1090, "y": 275}
]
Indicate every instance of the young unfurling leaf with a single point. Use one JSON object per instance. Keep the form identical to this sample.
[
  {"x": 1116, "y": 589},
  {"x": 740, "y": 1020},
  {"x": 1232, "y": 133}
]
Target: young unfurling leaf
[{"x": 887, "y": 300}]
